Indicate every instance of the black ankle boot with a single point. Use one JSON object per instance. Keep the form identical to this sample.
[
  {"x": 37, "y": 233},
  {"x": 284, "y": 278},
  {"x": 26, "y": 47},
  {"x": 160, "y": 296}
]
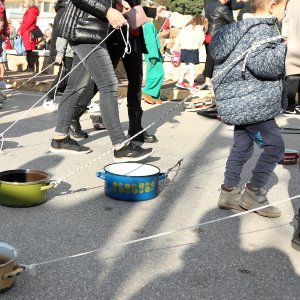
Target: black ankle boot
[
  {"x": 296, "y": 235},
  {"x": 135, "y": 125},
  {"x": 75, "y": 127}
]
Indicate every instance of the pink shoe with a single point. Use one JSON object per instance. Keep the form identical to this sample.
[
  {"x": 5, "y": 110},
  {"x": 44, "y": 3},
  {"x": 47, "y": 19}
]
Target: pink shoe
[{"x": 181, "y": 85}]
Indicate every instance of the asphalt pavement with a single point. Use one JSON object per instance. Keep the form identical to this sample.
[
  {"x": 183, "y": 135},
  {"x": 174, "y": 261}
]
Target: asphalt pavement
[{"x": 246, "y": 257}]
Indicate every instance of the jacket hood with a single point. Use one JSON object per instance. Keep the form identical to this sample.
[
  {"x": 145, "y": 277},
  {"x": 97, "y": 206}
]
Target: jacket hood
[
  {"x": 225, "y": 40},
  {"x": 35, "y": 9}
]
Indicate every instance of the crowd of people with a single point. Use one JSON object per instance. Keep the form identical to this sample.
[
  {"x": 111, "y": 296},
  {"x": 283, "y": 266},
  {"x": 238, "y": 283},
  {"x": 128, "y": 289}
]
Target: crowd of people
[{"x": 249, "y": 92}]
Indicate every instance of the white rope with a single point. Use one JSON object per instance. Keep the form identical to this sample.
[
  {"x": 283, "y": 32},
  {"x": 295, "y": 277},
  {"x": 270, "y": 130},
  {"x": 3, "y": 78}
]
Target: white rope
[
  {"x": 26, "y": 112},
  {"x": 151, "y": 237},
  {"x": 127, "y": 49}
]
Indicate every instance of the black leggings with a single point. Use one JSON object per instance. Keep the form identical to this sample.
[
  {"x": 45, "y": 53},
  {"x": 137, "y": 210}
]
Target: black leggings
[
  {"x": 209, "y": 63},
  {"x": 293, "y": 83},
  {"x": 29, "y": 58}
]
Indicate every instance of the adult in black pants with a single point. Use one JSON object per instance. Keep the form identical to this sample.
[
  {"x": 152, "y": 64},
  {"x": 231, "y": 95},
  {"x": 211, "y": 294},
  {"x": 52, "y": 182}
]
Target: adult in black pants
[
  {"x": 133, "y": 64},
  {"x": 218, "y": 13}
]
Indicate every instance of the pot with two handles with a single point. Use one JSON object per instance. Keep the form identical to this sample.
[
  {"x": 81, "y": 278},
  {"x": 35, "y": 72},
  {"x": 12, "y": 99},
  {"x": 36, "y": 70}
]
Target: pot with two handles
[
  {"x": 8, "y": 267},
  {"x": 132, "y": 181},
  {"x": 23, "y": 188}
]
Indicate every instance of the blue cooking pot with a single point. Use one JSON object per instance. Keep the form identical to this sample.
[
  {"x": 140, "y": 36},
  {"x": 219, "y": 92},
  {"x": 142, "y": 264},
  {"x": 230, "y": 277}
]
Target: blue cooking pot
[{"x": 131, "y": 181}]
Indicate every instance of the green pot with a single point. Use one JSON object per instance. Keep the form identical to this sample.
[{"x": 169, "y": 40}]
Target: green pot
[{"x": 23, "y": 188}]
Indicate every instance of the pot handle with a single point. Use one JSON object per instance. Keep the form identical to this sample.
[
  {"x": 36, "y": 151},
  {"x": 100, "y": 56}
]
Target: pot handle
[
  {"x": 16, "y": 272},
  {"x": 162, "y": 176},
  {"x": 169, "y": 170},
  {"x": 101, "y": 175},
  {"x": 48, "y": 186}
]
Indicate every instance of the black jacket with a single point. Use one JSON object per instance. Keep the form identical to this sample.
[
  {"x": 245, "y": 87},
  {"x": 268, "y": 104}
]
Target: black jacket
[
  {"x": 60, "y": 9},
  {"x": 84, "y": 21},
  {"x": 218, "y": 15},
  {"x": 232, "y": 4}
]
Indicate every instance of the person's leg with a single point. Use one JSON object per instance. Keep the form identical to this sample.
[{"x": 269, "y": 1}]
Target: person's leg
[
  {"x": 68, "y": 105},
  {"x": 268, "y": 137},
  {"x": 240, "y": 153},
  {"x": 99, "y": 66},
  {"x": 64, "y": 69},
  {"x": 133, "y": 64},
  {"x": 192, "y": 74},
  {"x": 2, "y": 71},
  {"x": 29, "y": 58},
  {"x": 293, "y": 86},
  {"x": 184, "y": 70},
  {"x": 154, "y": 79},
  {"x": 209, "y": 67}
]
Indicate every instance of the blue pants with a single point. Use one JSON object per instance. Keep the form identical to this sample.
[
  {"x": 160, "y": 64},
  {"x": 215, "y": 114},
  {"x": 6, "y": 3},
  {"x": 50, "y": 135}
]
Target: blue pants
[{"x": 268, "y": 137}]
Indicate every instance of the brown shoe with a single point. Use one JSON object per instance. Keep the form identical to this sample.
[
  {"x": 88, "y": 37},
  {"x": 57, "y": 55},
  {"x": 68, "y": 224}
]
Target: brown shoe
[{"x": 148, "y": 98}]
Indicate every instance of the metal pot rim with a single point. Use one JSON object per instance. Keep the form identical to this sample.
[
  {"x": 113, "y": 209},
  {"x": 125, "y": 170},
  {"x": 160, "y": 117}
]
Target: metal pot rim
[
  {"x": 134, "y": 176},
  {"x": 14, "y": 251},
  {"x": 24, "y": 171}
]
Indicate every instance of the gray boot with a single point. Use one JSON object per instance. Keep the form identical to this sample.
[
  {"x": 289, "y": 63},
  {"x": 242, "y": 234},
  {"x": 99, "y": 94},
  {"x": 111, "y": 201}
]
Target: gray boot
[
  {"x": 257, "y": 197},
  {"x": 230, "y": 199}
]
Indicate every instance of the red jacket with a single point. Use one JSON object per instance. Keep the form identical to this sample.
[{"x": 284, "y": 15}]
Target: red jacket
[
  {"x": 28, "y": 24},
  {"x": 3, "y": 16}
]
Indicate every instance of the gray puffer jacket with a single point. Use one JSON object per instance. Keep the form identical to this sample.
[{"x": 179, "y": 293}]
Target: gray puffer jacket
[{"x": 252, "y": 89}]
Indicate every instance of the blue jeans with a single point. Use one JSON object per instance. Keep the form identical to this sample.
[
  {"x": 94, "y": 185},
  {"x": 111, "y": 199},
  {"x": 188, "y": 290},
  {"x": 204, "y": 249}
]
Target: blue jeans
[
  {"x": 268, "y": 137},
  {"x": 98, "y": 65}
]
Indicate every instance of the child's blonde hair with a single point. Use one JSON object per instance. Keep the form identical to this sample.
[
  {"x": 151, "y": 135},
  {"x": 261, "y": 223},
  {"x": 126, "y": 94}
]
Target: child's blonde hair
[
  {"x": 259, "y": 5},
  {"x": 199, "y": 20}
]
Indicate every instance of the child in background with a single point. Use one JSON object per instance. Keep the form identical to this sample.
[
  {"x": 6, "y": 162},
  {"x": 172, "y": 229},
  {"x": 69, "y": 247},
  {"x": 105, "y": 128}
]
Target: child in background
[
  {"x": 188, "y": 41},
  {"x": 154, "y": 71},
  {"x": 250, "y": 94}
]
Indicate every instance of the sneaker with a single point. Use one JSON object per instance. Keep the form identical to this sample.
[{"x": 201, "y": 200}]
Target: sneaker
[
  {"x": 230, "y": 199},
  {"x": 93, "y": 107},
  {"x": 50, "y": 105},
  {"x": 68, "y": 145},
  {"x": 292, "y": 113},
  {"x": 296, "y": 235},
  {"x": 4, "y": 85},
  {"x": 131, "y": 152},
  {"x": 181, "y": 85},
  {"x": 257, "y": 197}
]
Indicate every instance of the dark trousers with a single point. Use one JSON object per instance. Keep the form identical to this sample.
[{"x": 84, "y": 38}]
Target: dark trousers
[
  {"x": 209, "y": 64},
  {"x": 293, "y": 84},
  {"x": 98, "y": 66},
  {"x": 268, "y": 137},
  {"x": 133, "y": 64},
  {"x": 29, "y": 58},
  {"x": 64, "y": 69}
]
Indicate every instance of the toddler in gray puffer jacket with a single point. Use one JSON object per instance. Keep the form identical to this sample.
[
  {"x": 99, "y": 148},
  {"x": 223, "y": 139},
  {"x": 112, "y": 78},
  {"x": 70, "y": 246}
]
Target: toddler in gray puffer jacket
[
  {"x": 252, "y": 88},
  {"x": 249, "y": 87}
]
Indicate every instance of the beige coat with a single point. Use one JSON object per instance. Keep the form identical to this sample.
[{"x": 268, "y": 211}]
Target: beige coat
[{"x": 292, "y": 21}]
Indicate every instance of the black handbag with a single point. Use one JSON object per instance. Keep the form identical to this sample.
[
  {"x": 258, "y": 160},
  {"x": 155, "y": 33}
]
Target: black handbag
[
  {"x": 89, "y": 30},
  {"x": 36, "y": 33}
]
